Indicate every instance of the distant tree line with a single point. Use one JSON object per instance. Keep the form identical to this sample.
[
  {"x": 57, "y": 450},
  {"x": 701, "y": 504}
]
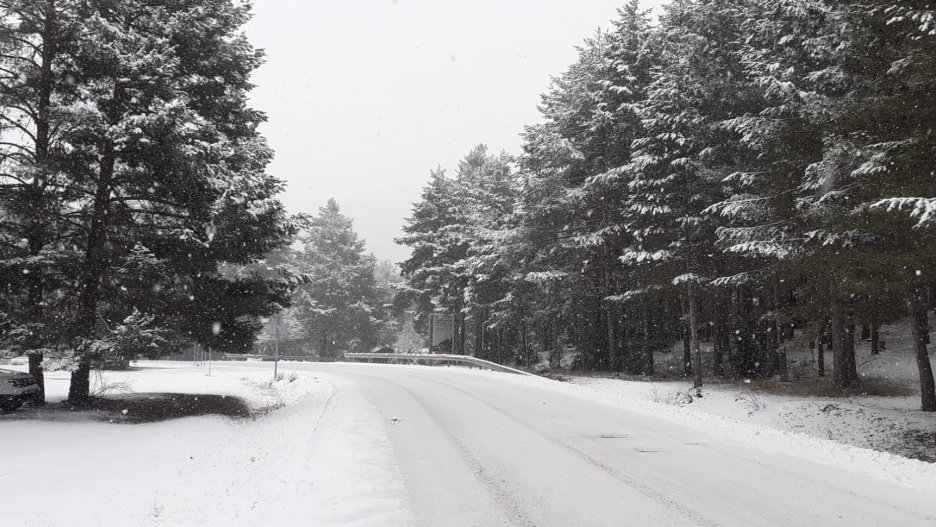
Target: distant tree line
[
  {"x": 133, "y": 190},
  {"x": 759, "y": 173}
]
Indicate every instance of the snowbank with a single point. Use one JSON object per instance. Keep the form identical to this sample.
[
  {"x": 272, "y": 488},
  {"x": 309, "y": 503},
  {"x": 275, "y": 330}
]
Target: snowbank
[{"x": 191, "y": 471}]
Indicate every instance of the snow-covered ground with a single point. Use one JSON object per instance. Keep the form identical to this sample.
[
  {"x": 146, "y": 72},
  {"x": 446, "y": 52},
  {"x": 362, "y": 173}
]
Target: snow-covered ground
[
  {"x": 891, "y": 423},
  {"x": 63, "y": 469},
  {"x": 385, "y": 445}
]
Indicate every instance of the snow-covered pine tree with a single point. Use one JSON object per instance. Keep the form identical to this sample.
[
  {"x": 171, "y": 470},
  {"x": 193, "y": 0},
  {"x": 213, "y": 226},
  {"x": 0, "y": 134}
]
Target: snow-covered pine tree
[
  {"x": 496, "y": 307},
  {"x": 575, "y": 185},
  {"x": 37, "y": 43},
  {"x": 434, "y": 233},
  {"x": 778, "y": 139},
  {"x": 679, "y": 161},
  {"x": 341, "y": 305},
  {"x": 156, "y": 148},
  {"x": 877, "y": 183}
]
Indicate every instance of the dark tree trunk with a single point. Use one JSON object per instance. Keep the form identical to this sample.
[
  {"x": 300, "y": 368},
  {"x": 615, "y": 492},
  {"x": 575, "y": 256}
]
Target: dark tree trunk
[
  {"x": 79, "y": 390},
  {"x": 479, "y": 337},
  {"x": 524, "y": 345},
  {"x": 96, "y": 261},
  {"x": 94, "y": 269},
  {"x": 839, "y": 362},
  {"x": 719, "y": 330},
  {"x": 821, "y": 339},
  {"x": 696, "y": 351},
  {"x": 923, "y": 322},
  {"x": 851, "y": 364},
  {"x": 820, "y": 358},
  {"x": 875, "y": 337},
  {"x": 779, "y": 351},
  {"x": 458, "y": 329},
  {"x": 915, "y": 305},
  {"x": 614, "y": 355},
  {"x": 35, "y": 369},
  {"x": 687, "y": 343},
  {"x": 647, "y": 362}
]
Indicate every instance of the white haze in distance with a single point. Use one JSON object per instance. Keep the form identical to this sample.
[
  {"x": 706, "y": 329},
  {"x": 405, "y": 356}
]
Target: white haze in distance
[{"x": 365, "y": 97}]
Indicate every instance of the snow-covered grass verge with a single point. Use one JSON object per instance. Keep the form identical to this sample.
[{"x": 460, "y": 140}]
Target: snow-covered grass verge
[{"x": 205, "y": 470}]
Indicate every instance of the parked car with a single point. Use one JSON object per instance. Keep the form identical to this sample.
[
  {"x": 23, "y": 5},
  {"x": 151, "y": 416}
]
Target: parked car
[{"x": 16, "y": 387}]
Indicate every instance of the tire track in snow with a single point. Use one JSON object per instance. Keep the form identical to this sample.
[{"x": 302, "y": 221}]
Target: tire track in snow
[
  {"x": 502, "y": 496},
  {"x": 638, "y": 486}
]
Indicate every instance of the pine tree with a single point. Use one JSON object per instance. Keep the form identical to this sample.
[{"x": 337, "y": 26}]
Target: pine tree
[
  {"x": 151, "y": 158},
  {"x": 433, "y": 234},
  {"x": 341, "y": 306},
  {"x": 575, "y": 180},
  {"x": 679, "y": 161},
  {"x": 880, "y": 199},
  {"x": 36, "y": 47}
]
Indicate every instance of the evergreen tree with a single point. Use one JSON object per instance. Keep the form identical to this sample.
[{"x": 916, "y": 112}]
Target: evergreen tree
[
  {"x": 341, "y": 306},
  {"x": 154, "y": 159},
  {"x": 433, "y": 234},
  {"x": 37, "y": 46}
]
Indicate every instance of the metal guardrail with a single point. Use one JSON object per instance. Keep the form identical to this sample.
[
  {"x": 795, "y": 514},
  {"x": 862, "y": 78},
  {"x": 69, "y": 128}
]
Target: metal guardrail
[{"x": 435, "y": 357}]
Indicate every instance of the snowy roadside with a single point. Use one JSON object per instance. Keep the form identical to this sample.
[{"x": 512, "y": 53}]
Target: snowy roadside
[
  {"x": 779, "y": 425},
  {"x": 253, "y": 385},
  {"x": 205, "y": 470}
]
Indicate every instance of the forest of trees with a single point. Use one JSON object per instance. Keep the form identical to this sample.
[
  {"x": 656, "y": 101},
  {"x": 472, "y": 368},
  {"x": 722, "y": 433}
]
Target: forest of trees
[
  {"x": 134, "y": 195},
  {"x": 758, "y": 173}
]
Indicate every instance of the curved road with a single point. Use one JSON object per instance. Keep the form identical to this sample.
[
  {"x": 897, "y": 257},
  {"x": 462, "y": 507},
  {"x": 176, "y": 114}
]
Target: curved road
[{"x": 480, "y": 448}]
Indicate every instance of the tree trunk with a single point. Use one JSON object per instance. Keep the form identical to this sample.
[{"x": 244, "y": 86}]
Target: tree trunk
[
  {"x": 614, "y": 357},
  {"x": 35, "y": 369},
  {"x": 779, "y": 353},
  {"x": 696, "y": 351},
  {"x": 526, "y": 357},
  {"x": 745, "y": 359},
  {"x": 851, "y": 365},
  {"x": 458, "y": 342},
  {"x": 915, "y": 305},
  {"x": 687, "y": 343},
  {"x": 820, "y": 347},
  {"x": 924, "y": 325},
  {"x": 479, "y": 337},
  {"x": 875, "y": 336},
  {"x": 820, "y": 357},
  {"x": 647, "y": 362},
  {"x": 839, "y": 377},
  {"x": 79, "y": 390},
  {"x": 718, "y": 339},
  {"x": 94, "y": 269},
  {"x": 95, "y": 263}
]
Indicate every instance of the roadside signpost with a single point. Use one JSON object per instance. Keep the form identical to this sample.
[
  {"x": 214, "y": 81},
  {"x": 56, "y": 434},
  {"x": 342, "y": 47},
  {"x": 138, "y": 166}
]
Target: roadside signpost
[
  {"x": 279, "y": 328},
  {"x": 441, "y": 332}
]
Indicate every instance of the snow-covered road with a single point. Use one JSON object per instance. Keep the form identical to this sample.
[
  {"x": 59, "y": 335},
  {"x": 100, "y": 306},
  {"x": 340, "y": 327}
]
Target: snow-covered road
[
  {"x": 360, "y": 445},
  {"x": 480, "y": 448}
]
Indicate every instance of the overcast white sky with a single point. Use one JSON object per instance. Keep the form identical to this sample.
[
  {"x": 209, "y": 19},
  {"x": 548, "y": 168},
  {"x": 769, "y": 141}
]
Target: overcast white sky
[{"x": 365, "y": 97}]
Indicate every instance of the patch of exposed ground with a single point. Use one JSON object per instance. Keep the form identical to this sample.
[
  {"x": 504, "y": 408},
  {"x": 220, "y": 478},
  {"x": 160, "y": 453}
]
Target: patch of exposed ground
[{"x": 140, "y": 408}]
